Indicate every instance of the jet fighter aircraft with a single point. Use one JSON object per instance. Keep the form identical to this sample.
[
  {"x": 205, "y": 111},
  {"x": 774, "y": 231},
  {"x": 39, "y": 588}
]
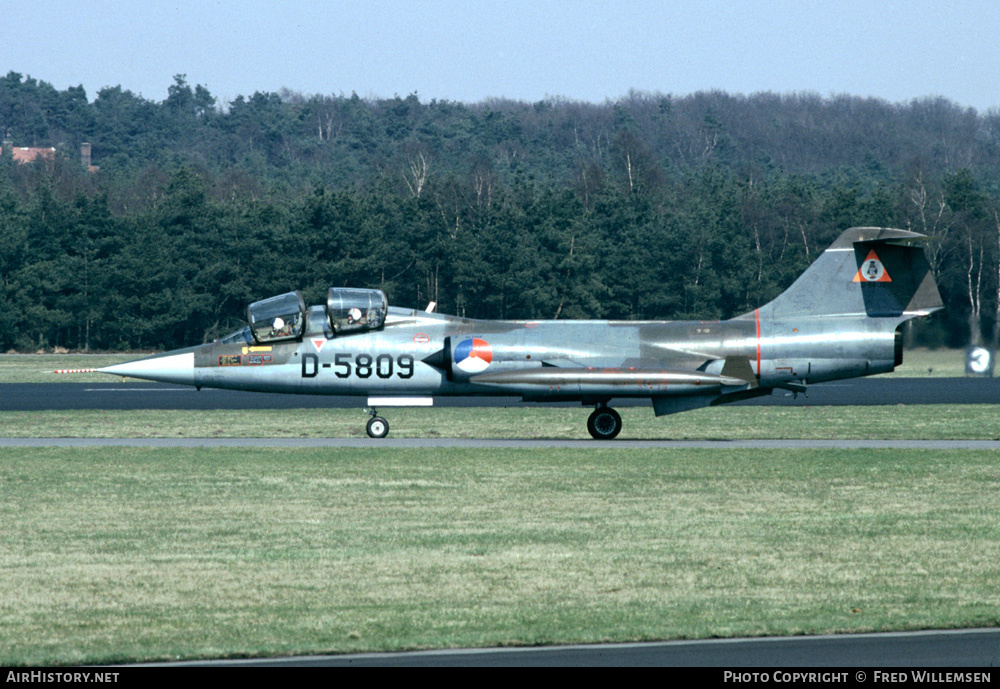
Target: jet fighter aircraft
[{"x": 840, "y": 319}]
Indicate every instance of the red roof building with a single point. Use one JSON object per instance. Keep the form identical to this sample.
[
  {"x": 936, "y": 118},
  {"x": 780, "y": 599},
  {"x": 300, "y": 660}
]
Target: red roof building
[{"x": 25, "y": 154}]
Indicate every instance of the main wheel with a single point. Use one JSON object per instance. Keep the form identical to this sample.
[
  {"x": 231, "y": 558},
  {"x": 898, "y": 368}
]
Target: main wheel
[
  {"x": 377, "y": 427},
  {"x": 604, "y": 424}
]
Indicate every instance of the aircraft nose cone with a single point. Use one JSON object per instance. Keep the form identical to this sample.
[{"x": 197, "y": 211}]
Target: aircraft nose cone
[{"x": 163, "y": 368}]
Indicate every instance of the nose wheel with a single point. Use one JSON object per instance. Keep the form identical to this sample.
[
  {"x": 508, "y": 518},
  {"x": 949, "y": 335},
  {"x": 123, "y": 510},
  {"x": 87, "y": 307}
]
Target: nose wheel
[
  {"x": 377, "y": 426},
  {"x": 605, "y": 423}
]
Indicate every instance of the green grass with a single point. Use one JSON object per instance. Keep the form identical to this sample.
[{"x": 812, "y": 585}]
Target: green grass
[
  {"x": 934, "y": 363},
  {"x": 38, "y": 368},
  {"x": 925, "y": 422},
  {"x": 116, "y": 554}
]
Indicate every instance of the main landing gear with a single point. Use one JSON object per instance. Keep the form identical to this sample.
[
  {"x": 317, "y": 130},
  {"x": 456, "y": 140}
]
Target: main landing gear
[
  {"x": 377, "y": 426},
  {"x": 605, "y": 423}
]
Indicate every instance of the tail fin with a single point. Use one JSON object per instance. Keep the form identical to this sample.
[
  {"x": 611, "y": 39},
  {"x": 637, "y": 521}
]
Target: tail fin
[{"x": 868, "y": 271}]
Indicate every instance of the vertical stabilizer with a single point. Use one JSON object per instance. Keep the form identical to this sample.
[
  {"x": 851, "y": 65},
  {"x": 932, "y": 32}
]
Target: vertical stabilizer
[{"x": 868, "y": 271}]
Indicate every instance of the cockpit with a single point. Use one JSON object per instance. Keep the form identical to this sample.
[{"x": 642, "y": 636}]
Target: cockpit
[
  {"x": 285, "y": 317},
  {"x": 352, "y": 310},
  {"x": 278, "y": 319}
]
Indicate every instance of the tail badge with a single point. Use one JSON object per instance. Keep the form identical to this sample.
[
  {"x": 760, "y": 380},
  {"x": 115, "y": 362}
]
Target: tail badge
[{"x": 872, "y": 270}]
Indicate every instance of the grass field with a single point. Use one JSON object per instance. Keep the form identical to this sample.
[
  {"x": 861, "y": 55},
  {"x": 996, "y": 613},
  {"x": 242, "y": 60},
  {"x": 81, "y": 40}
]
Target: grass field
[
  {"x": 115, "y": 554},
  {"x": 38, "y": 368},
  {"x": 891, "y": 422}
]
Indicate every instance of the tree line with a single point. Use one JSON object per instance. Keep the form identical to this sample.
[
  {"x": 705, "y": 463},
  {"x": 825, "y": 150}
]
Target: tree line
[{"x": 652, "y": 206}]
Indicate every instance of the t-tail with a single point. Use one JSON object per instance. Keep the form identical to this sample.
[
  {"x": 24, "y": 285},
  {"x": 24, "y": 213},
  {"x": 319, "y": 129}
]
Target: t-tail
[
  {"x": 841, "y": 317},
  {"x": 869, "y": 271}
]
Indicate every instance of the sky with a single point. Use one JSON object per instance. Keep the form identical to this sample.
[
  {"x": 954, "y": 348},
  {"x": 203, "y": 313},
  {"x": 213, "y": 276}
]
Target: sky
[{"x": 471, "y": 50}]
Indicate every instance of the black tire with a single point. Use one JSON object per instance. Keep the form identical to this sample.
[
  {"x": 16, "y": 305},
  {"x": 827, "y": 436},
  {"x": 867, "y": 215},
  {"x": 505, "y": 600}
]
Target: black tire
[
  {"x": 377, "y": 427},
  {"x": 604, "y": 424}
]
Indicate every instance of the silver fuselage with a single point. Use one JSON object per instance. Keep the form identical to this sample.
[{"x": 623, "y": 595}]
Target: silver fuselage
[{"x": 391, "y": 361}]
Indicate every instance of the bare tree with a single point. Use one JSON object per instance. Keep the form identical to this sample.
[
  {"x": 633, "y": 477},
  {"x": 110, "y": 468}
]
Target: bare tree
[
  {"x": 933, "y": 217},
  {"x": 974, "y": 275},
  {"x": 415, "y": 175},
  {"x": 483, "y": 182}
]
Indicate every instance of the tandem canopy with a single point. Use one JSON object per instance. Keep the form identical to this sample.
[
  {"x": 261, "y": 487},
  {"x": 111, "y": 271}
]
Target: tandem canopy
[{"x": 348, "y": 310}]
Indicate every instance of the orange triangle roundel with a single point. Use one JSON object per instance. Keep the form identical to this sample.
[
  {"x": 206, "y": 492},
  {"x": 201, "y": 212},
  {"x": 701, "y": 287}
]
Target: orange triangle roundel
[{"x": 872, "y": 270}]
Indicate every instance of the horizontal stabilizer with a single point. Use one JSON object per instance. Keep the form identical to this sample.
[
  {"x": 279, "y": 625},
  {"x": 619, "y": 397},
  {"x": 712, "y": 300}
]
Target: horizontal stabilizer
[{"x": 910, "y": 241}]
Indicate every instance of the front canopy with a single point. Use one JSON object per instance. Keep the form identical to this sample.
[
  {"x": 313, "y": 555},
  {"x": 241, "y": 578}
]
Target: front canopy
[{"x": 278, "y": 318}]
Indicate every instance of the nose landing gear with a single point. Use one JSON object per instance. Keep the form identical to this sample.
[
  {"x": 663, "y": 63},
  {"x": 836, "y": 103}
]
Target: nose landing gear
[{"x": 604, "y": 423}]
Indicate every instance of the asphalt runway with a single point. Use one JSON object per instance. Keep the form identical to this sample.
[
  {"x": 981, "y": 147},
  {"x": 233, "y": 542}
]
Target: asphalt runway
[
  {"x": 965, "y": 648},
  {"x": 141, "y": 395}
]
